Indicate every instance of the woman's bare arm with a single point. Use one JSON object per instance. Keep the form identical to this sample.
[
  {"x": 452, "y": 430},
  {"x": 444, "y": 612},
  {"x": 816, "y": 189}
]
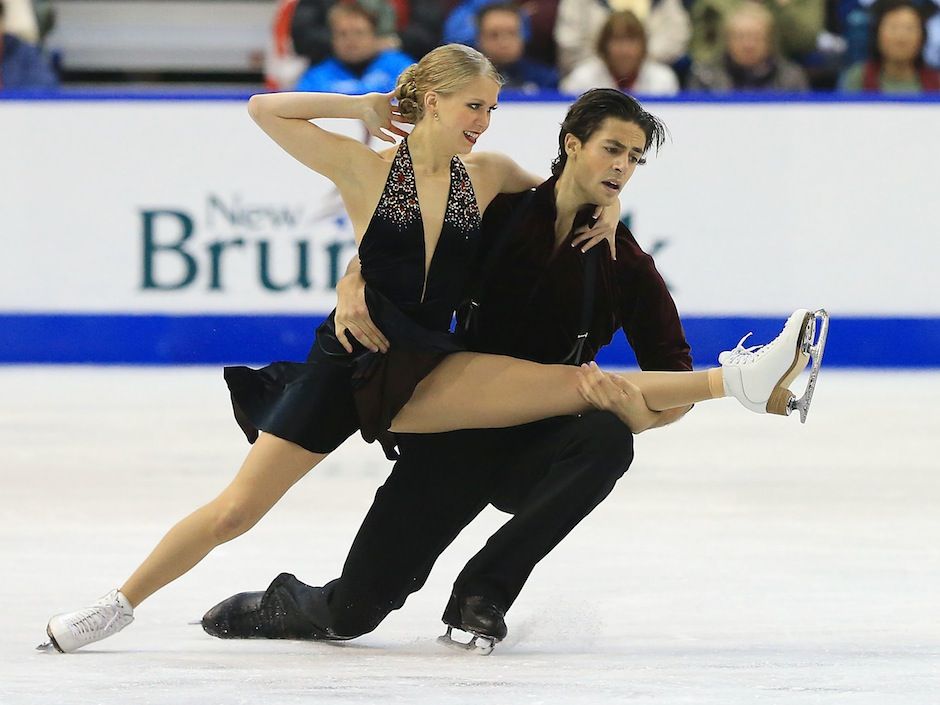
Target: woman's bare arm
[{"x": 285, "y": 117}]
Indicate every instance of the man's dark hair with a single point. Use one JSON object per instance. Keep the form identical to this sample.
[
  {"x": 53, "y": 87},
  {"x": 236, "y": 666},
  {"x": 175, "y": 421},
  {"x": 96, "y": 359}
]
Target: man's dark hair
[
  {"x": 1, "y": 9},
  {"x": 351, "y": 8},
  {"x": 498, "y": 7},
  {"x": 589, "y": 111}
]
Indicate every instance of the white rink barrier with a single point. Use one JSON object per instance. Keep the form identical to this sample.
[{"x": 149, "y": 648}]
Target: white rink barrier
[{"x": 135, "y": 216}]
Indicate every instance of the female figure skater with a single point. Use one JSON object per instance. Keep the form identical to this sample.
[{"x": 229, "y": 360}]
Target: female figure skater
[{"x": 416, "y": 213}]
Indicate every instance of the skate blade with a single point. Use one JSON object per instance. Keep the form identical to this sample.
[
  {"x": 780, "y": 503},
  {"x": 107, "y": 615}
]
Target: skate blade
[
  {"x": 47, "y": 647},
  {"x": 479, "y": 644},
  {"x": 813, "y": 346}
]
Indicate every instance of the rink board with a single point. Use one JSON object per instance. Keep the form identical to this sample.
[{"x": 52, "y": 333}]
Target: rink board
[{"x": 173, "y": 231}]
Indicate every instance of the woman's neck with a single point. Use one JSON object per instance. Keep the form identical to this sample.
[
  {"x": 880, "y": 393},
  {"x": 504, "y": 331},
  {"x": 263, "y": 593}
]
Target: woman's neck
[
  {"x": 426, "y": 155},
  {"x": 898, "y": 70}
]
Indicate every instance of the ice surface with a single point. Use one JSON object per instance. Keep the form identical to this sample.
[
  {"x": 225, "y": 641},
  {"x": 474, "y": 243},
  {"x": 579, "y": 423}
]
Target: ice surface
[{"x": 743, "y": 559}]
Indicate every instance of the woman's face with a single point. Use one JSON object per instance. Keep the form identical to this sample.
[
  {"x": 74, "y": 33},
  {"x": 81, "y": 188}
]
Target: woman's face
[
  {"x": 899, "y": 35},
  {"x": 464, "y": 115},
  {"x": 624, "y": 54}
]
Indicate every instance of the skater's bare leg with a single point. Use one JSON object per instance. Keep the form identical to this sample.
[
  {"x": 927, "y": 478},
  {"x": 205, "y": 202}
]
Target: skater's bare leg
[
  {"x": 272, "y": 466},
  {"x": 475, "y": 390}
]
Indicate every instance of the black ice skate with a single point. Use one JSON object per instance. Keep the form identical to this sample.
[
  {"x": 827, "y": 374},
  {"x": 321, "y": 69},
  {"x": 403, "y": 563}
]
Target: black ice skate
[{"x": 480, "y": 618}]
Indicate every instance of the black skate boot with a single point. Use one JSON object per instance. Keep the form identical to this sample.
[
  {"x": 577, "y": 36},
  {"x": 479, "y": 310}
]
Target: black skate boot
[
  {"x": 478, "y": 616},
  {"x": 236, "y": 617},
  {"x": 272, "y": 614}
]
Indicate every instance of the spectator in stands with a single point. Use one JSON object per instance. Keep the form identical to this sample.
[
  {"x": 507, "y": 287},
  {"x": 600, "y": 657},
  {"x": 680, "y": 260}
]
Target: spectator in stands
[
  {"x": 359, "y": 64},
  {"x": 853, "y": 19},
  {"x": 797, "y": 25},
  {"x": 620, "y": 61},
  {"x": 22, "y": 65},
  {"x": 499, "y": 38},
  {"x": 310, "y": 30},
  {"x": 751, "y": 61},
  {"x": 666, "y": 22},
  {"x": 896, "y": 64},
  {"x": 420, "y": 24},
  {"x": 20, "y": 20}
]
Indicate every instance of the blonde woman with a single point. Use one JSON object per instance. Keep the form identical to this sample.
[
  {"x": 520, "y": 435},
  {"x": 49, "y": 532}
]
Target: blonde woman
[{"x": 415, "y": 210}]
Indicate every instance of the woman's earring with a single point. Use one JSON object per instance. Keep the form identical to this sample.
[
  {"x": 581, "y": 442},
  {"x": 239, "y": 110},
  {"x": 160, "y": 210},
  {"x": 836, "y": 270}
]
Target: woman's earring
[{"x": 437, "y": 116}]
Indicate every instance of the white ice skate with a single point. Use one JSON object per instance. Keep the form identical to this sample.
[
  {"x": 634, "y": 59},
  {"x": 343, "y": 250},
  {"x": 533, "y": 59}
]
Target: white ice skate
[
  {"x": 759, "y": 377},
  {"x": 73, "y": 630}
]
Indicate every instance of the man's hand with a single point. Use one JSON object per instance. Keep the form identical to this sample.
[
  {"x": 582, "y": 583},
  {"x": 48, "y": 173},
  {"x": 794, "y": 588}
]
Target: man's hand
[
  {"x": 352, "y": 315},
  {"x": 617, "y": 395},
  {"x": 604, "y": 230}
]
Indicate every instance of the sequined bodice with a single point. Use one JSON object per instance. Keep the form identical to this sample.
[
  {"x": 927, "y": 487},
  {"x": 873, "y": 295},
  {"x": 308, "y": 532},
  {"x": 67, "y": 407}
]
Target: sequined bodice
[{"x": 392, "y": 250}]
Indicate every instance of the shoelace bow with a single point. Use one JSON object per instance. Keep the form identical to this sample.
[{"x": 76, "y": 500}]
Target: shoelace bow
[{"x": 744, "y": 355}]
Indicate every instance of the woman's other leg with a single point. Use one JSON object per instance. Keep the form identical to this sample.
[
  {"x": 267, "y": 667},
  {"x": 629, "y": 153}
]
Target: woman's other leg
[{"x": 271, "y": 468}]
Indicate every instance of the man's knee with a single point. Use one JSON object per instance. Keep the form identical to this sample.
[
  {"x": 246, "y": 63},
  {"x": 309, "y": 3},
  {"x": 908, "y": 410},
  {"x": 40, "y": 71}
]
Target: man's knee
[{"x": 602, "y": 436}]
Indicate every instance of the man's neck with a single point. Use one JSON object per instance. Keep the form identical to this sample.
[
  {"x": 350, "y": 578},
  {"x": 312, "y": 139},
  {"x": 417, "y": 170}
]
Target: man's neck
[{"x": 568, "y": 201}]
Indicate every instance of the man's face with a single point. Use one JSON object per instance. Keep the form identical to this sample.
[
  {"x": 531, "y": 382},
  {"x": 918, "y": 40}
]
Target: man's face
[
  {"x": 500, "y": 37},
  {"x": 748, "y": 41},
  {"x": 899, "y": 35},
  {"x": 354, "y": 39},
  {"x": 603, "y": 165}
]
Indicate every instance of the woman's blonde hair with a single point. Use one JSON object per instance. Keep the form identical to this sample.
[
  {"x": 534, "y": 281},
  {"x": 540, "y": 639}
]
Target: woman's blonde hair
[{"x": 443, "y": 70}]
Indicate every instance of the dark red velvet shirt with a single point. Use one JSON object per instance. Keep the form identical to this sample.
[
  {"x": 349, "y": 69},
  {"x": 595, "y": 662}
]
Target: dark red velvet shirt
[{"x": 530, "y": 295}]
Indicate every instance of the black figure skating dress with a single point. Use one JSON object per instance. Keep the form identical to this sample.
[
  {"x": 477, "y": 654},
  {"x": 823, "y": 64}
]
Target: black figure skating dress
[{"x": 319, "y": 403}]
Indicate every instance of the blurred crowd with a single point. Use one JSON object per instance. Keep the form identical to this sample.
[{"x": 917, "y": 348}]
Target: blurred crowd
[{"x": 645, "y": 47}]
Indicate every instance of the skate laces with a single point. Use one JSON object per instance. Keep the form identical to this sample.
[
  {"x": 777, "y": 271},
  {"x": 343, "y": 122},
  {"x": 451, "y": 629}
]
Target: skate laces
[
  {"x": 741, "y": 355},
  {"x": 94, "y": 619}
]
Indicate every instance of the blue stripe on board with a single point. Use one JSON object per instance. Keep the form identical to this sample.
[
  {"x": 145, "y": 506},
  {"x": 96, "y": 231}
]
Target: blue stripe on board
[
  {"x": 205, "y": 339},
  {"x": 241, "y": 96}
]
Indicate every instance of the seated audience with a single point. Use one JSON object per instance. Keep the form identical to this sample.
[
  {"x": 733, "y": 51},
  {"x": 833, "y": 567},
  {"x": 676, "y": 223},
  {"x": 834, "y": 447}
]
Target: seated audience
[
  {"x": 797, "y": 24},
  {"x": 499, "y": 38},
  {"x": 461, "y": 24},
  {"x": 359, "y": 64},
  {"x": 751, "y": 61},
  {"x": 666, "y": 22},
  {"x": 22, "y": 65},
  {"x": 620, "y": 61},
  {"x": 420, "y": 24},
  {"x": 310, "y": 30},
  {"x": 896, "y": 64}
]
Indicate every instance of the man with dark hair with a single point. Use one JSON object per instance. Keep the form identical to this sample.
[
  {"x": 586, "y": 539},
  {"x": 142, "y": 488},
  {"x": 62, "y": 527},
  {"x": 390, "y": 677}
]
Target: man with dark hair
[
  {"x": 359, "y": 64},
  {"x": 499, "y": 37},
  {"x": 539, "y": 298},
  {"x": 22, "y": 65}
]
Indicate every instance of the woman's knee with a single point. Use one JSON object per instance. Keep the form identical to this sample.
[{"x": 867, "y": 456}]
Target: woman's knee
[{"x": 230, "y": 518}]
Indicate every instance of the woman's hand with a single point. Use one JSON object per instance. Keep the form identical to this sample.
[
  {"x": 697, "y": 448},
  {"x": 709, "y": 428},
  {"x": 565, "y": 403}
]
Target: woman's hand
[
  {"x": 352, "y": 315},
  {"x": 604, "y": 230},
  {"x": 380, "y": 114},
  {"x": 617, "y": 395}
]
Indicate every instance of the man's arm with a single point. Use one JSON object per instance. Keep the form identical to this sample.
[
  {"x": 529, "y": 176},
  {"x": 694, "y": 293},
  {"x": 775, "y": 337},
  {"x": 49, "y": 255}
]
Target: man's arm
[{"x": 352, "y": 314}]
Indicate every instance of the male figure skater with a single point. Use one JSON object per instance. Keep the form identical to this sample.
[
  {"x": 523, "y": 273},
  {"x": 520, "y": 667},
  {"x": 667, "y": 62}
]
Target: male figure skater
[{"x": 550, "y": 474}]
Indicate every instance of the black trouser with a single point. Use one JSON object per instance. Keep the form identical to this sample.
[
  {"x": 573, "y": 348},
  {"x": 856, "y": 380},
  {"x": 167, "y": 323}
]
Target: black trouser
[{"x": 549, "y": 475}]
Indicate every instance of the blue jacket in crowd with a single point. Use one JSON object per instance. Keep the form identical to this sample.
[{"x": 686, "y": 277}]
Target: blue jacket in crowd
[
  {"x": 331, "y": 76},
  {"x": 22, "y": 65}
]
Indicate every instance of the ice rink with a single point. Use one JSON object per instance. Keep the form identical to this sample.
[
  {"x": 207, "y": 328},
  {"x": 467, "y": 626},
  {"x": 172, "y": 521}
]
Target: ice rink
[{"x": 742, "y": 559}]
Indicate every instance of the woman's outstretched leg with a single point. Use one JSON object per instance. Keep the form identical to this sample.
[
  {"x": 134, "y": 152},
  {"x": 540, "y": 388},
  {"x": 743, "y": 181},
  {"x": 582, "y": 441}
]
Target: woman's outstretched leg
[
  {"x": 271, "y": 468},
  {"x": 476, "y": 390}
]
